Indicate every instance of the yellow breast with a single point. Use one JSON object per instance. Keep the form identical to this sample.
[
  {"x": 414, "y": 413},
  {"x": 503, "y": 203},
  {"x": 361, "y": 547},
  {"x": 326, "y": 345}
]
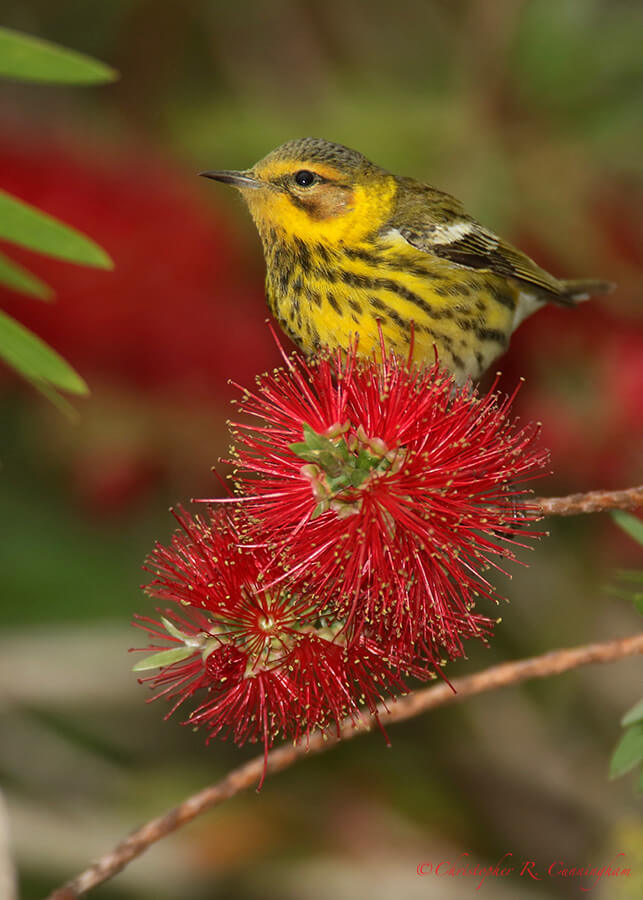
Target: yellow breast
[{"x": 325, "y": 295}]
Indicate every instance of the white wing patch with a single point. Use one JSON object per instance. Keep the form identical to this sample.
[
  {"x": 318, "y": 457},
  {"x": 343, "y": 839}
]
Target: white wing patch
[
  {"x": 449, "y": 234},
  {"x": 443, "y": 234}
]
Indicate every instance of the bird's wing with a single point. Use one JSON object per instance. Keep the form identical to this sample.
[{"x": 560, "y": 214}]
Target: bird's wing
[{"x": 441, "y": 227}]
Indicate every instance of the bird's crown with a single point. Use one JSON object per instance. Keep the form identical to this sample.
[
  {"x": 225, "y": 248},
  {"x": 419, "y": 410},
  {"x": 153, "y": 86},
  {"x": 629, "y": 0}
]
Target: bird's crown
[{"x": 317, "y": 150}]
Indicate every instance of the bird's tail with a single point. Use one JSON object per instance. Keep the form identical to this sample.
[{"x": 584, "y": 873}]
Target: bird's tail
[{"x": 578, "y": 289}]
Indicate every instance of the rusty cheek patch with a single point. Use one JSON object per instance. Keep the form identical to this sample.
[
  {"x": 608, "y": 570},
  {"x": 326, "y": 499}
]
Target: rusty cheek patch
[{"x": 328, "y": 201}]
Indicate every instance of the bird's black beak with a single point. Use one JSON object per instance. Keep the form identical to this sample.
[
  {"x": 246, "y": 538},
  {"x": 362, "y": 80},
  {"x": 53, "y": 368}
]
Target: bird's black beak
[{"x": 236, "y": 179}]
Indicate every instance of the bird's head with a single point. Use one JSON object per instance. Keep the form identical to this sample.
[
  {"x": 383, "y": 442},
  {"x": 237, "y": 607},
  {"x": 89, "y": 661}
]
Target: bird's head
[{"x": 315, "y": 190}]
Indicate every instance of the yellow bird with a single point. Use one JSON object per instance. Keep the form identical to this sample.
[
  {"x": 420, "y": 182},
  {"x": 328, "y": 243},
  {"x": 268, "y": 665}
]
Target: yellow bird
[{"x": 348, "y": 245}]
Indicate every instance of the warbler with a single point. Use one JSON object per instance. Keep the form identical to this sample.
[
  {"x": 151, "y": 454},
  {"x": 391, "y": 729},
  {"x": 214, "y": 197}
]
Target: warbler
[{"x": 351, "y": 248}]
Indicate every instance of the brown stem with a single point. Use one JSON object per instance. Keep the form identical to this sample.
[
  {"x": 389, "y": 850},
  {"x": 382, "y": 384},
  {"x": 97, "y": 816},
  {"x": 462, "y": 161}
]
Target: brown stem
[
  {"x": 246, "y": 776},
  {"x": 592, "y": 501}
]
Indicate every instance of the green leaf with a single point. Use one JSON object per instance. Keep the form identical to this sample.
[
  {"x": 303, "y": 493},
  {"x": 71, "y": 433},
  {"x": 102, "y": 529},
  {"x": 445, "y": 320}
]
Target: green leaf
[
  {"x": 638, "y": 602},
  {"x": 29, "y": 355},
  {"x": 633, "y": 715},
  {"x": 28, "y": 58},
  {"x": 630, "y": 524},
  {"x": 164, "y": 658},
  {"x": 629, "y": 751},
  {"x": 21, "y": 280},
  {"x": 171, "y": 629},
  {"x": 26, "y": 225}
]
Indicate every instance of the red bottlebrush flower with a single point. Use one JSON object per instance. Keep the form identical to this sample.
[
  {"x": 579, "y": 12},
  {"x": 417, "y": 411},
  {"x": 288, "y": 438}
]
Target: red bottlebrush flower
[
  {"x": 389, "y": 489},
  {"x": 258, "y": 660}
]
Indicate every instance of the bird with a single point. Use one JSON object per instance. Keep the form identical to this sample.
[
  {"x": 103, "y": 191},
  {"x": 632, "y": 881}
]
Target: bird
[{"x": 356, "y": 255}]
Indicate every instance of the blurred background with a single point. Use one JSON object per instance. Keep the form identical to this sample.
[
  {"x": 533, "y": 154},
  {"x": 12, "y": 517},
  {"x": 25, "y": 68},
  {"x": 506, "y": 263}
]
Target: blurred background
[{"x": 530, "y": 112}]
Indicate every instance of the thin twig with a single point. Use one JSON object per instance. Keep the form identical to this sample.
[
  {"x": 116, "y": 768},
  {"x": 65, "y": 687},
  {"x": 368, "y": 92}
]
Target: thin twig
[
  {"x": 246, "y": 776},
  {"x": 591, "y": 502}
]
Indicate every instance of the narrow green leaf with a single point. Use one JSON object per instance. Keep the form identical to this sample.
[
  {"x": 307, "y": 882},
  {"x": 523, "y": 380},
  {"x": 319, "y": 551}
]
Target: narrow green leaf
[
  {"x": 171, "y": 629},
  {"x": 29, "y": 355},
  {"x": 629, "y": 751},
  {"x": 21, "y": 280},
  {"x": 26, "y": 225},
  {"x": 633, "y": 715},
  {"x": 638, "y": 603},
  {"x": 164, "y": 658},
  {"x": 630, "y": 524},
  {"x": 28, "y": 58}
]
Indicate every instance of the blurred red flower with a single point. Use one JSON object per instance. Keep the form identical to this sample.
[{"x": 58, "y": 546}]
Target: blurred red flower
[
  {"x": 584, "y": 366},
  {"x": 585, "y": 383},
  {"x": 157, "y": 338},
  {"x": 179, "y": 314}
]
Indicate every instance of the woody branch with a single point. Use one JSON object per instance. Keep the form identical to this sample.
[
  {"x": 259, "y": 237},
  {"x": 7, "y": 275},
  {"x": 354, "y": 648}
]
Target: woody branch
[{"x": 591, "y": 502}]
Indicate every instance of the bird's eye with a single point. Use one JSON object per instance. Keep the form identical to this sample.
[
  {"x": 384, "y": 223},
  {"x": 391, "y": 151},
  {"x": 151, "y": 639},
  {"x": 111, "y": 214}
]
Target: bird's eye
[{"x": 304, "y": 178}]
